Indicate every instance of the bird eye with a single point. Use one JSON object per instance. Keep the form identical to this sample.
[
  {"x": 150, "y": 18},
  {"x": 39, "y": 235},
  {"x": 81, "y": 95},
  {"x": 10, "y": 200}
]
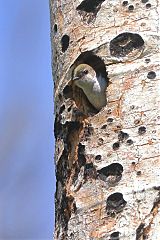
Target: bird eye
[{"x": 85, "y": 71}]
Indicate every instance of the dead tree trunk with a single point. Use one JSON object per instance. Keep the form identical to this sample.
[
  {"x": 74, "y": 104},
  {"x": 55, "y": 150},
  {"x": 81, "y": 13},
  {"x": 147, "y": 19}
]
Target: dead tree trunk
[{"x": 107, "y": 161}]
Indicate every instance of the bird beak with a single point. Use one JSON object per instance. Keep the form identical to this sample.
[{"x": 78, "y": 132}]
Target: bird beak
[{"x": 75, "y": 78}]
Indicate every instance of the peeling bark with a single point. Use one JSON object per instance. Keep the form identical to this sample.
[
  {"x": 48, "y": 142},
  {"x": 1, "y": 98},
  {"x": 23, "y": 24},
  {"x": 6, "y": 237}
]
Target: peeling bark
[{"x": 107, "y": 162}]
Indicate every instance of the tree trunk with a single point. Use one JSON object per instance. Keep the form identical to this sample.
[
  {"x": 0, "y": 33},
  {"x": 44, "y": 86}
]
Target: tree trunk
[{"x": 107, "y": 161}]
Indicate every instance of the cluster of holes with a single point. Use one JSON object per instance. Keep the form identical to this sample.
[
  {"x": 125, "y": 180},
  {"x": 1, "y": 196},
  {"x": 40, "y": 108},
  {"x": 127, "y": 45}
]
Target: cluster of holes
[
  {"x": 125, "y": 43},
  {"x": 131, "y": 7},
  {"x": 122, "y": 137}
]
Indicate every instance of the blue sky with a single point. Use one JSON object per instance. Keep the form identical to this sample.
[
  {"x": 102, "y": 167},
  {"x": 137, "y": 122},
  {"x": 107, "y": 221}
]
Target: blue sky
[{"x": 26, "y": 113}]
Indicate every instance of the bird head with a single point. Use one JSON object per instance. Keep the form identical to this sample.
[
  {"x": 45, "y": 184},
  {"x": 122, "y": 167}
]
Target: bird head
[{"x": 84, "y": 76}]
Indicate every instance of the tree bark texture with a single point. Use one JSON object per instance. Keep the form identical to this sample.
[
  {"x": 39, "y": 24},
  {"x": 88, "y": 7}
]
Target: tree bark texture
[{"x": 107, "y": 162}]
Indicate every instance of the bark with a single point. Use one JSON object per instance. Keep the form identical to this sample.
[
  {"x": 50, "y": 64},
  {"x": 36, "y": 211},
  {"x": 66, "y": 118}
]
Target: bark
[{"x": 107, "y": 162}]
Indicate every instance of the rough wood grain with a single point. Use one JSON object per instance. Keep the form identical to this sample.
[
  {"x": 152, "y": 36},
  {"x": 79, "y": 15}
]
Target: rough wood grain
[{"x": 94, "y": 198}]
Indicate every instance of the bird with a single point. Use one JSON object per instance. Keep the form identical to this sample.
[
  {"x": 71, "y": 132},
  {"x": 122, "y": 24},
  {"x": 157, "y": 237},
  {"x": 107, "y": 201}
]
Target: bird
[{"x": 93, "y": 85}]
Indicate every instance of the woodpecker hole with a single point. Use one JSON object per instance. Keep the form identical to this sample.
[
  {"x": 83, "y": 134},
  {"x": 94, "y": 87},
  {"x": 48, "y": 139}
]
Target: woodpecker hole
[
  {"x": 110, "y": 120},
  {"x": 122, "y": 136},
  {"x": 148, "y": 5},
  {"x": 116, "y": 146},
  {"x": 114, "y": 169},
  {"x": 62, "y": 108},
  {"x": 69, "y": 109},
  {"x": 141, "y": 130},
  {"x": 81, "y": 155},
  {"x": 88, "y": 131},
  {"x": 95, "y": 62},
  {"x": 138, "y": 173},
  {"x": 125, "y": 3},
  {"x": 115, "y": 202},
  {"x": 147, "y": 60},
  {"x": 89, "y": 5},
  {"x": 68, "y": 92},
  {"x": 98, "y": 157},
  {"x": 57, "y": 127},
  {"x": 88, "y": 9},
  {"x": 114, "y": 236},
  {"x": 151, "y": 75},
  {"x": 125, "y": 43},
  {"x": 99, "y": 67},
  {"x": 90, "y": 171},
  {"x": 129, "y": 142},
  {"x": 65, "y": 42},
  {"x": 55, "y": 28},
  {"x": 130, "y": 7},
  {"x": 100, "y": 141},
  {"x": 104, "y": 126}
]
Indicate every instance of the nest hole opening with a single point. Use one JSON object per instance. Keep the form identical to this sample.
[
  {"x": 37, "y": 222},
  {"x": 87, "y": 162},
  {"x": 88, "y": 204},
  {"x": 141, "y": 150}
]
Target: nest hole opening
[{"x": 99, "y": 67}]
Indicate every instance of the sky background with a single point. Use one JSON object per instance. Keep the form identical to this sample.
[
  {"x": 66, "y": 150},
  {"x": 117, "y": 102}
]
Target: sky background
[{"x": 26, "y": 114}]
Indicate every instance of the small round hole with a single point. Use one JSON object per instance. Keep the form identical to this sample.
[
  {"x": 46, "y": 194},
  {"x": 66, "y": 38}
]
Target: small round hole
[
  {"x": 131, "y": 8},
  {"x": 98, "y": 157},
  {"x": 125, "y": 3},
  {"x": 151, "y": 75},
  {"x": 104, "y": 126},
  {"x": 148, "y": 5},
  {"x": 138, "y": 173},
  {"x": 147, "y": 60},
  {"x": 110, "y": 120},
  {"x": 141, "y": 130},
  {"x": 116, "y": 146},
  {"x": 129, "y": 142}
]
